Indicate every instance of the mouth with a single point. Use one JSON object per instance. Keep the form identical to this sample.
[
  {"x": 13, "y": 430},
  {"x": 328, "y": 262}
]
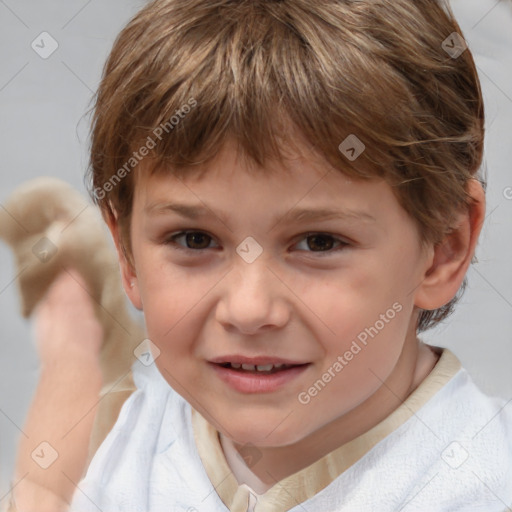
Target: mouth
[
  {"x": 260, "y": 369},
  {"x": 257, "y": 374}
]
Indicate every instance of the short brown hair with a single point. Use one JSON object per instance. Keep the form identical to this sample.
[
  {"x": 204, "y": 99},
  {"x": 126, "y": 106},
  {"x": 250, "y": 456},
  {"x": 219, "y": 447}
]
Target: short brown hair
[{"x": 198, "y": 72}]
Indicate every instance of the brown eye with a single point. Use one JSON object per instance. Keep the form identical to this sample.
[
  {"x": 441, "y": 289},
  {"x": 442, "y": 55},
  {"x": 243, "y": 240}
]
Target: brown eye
[
  {"x": 194, "y": 240},
  {"x": 322, "y": 243}
]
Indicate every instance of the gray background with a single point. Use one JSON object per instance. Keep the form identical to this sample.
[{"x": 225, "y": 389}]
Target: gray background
[{"x": 44, "y": 130}]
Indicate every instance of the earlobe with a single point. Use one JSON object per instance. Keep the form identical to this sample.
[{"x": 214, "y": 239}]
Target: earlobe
[
  {"x": 128, "y": 274},
  {"x": 451, "y": 258}
]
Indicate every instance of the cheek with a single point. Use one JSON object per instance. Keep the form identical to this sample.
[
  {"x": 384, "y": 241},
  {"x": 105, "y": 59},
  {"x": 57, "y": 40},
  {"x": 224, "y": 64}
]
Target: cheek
[
  {"x": 174, "y": 313},
  {"x": 354, "y": 299},
  {"x": 364, "y": 322},
  {"x": 360, "y": 357},
  {"x": 173, "y": 299}
]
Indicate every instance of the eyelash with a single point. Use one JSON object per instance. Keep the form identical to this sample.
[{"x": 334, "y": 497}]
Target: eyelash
[{"x": 172, "y": 242}]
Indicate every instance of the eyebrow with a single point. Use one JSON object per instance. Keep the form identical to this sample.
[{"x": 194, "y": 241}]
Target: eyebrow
[{"x": 296, "y": 215}]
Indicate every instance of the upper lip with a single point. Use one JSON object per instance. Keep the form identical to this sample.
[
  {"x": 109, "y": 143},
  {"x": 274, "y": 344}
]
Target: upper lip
[{"x": 258, "y": 360}]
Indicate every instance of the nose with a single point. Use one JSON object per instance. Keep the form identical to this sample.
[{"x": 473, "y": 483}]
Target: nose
[{"x": 253, "y": 299}]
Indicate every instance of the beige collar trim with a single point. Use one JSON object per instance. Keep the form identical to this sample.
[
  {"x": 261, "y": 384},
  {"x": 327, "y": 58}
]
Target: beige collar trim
[{"x": 309, "y": 481}]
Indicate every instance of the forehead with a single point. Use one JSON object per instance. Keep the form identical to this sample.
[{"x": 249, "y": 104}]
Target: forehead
[
  {"x": 297, "y": 162},
  {"x": 231, "y": 190},
  {"x": 300, "y": 174}
]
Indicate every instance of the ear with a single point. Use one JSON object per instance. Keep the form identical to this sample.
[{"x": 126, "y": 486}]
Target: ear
[
  {"x": 128, "y": 273},
  {"x": 450, "y": 259}
]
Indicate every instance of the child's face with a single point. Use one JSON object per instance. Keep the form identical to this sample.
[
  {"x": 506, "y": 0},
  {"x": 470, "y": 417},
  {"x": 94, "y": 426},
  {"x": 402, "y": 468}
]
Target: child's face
[{"x": 344, "y": 312}]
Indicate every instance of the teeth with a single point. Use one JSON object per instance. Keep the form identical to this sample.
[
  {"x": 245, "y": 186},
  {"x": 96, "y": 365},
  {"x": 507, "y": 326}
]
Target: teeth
[
  {"x": 260, "y": 367},
  {"x": 264, "y": 367}
]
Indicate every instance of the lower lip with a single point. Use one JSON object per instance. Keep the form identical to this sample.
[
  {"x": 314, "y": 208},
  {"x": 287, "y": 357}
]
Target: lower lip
[{"x": 247, "y": 382}]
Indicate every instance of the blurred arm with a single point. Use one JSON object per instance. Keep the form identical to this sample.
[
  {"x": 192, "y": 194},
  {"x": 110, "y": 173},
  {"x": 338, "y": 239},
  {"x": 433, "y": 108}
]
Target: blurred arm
[{"x": 52, "y": 454}]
